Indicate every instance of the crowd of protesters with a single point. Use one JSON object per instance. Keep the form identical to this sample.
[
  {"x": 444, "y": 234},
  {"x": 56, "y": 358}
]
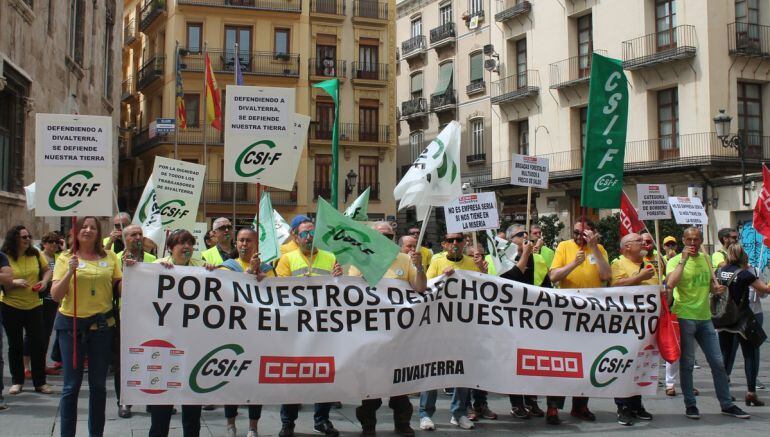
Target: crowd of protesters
[{"x": 39, "y": 311}]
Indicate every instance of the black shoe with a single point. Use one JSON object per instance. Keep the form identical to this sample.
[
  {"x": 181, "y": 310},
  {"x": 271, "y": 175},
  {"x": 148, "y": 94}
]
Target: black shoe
[
  {"x": 625, "y": 416},
  {"x": 583, "y": 413},
  {"x": 692, "y": 413},
  {"x": 520, "y": 413},
  {"x": 286, "y": 431},
  {"x": 735, "y": 412},
  {"x": 552, "y": 417},
  {"x": 209, "y": 407},
  {"x": 327, "y": 429},
  {"x": 404, "y": 430},
  {"x": 642, "y": 414},
  {"x": 535, "y": 411},
  {"x": 368, "y": 432},
  {"x": 124, "y": 412}
]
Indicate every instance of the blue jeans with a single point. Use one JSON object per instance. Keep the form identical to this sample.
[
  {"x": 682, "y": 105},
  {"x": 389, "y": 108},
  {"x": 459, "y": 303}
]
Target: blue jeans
[
  {"x": 2, "y": 363},
  {"x": 98, "y": 346},
  {"x": 427, "y": 403},
  {"x": 702, "y": 332},
  {"x": 457, "y": 408},
  {"x": 289, "y": 413}
]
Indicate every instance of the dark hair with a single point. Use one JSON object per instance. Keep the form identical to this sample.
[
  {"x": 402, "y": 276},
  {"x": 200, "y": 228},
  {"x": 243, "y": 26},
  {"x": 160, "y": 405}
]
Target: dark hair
[
  {"x": 589, "y": 224},
  {"x": 234, "y": 253},
  {"x": 98, "y": 246},
  {"x": 723, "y": 233},
  {"x": 51, "y": 237},
  {"x": 11, "y": 244},
  {"x": 179, "y": 236}
]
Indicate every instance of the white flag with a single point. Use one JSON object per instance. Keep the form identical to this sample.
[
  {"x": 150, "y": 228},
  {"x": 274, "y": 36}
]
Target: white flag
[
  {"x": 148, "y": 215},
  {"x": 29, "y": 191},
  {"x": 358, "y": 210},
  {"x": 503, "y": 252},
  {"x": 434, "y": 178},
  {"x": 282, "y": 229}
]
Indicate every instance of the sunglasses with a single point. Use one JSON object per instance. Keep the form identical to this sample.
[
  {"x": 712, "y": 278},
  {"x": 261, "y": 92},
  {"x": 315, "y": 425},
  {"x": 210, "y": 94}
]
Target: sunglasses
[
  {"x": 305, "y": 234},
  {"x": 389, "y": 236},
  {"x": 25, "y": 237},
  {"x": 225, "y": 228},
  {"x": 454, "y": 240},
  {"x": 519, "y": 234}
]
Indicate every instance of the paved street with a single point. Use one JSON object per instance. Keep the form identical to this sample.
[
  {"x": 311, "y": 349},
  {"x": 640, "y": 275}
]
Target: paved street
[{"x": 32, "y": 414}]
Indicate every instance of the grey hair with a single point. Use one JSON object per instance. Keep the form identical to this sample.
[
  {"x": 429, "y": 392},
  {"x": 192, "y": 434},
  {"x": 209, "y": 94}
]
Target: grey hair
[
  {"x": 513, "y": 230},
  {"x": 401, "y": 240},
  {"x": 624, "y": 240},
  {"x": 123, "y": 216},
  {"x": 379, "y": 223}
]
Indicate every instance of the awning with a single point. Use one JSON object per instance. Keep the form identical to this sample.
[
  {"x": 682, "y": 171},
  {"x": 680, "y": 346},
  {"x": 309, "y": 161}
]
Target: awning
[{"x": 444, "y": 78}]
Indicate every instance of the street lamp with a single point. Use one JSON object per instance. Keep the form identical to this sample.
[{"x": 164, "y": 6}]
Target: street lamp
[
  {"x": 722, "y": 122},
  {"x": 350, "y": 182}
]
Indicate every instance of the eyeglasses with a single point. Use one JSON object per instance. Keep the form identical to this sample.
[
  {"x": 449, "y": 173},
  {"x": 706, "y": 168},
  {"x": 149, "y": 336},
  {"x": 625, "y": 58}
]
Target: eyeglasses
[
  {"x": 454, "y": 240},
  {"x": 225, "y": 228},
  {"x": 519, "y": 234},
  {"x": 305, "y": 234},
  {"x": 414, "y": 233},
  {"x": 25, "y": 237}
]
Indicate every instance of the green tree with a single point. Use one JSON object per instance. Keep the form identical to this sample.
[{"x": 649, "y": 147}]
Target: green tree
[
  {"x": 609, "y": 234},
  {"x": 551, "y": 227}
]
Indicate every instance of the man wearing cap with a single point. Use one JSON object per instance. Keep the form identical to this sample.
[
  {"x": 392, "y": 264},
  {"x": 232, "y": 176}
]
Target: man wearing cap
[
  {"x": 291, "y": 244},
  {"x": 670, "y": 248},
  {"x": 220, "y": 253}
]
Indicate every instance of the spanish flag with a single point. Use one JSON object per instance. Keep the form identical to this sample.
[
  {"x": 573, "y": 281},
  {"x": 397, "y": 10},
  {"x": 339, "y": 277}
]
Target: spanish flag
[
  {"x": 181, "y": 112},
  {"x": 213, "y": 98}
]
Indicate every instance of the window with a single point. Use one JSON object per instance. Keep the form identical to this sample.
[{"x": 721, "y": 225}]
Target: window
[
  {"x": 75, "y": 37},
  {"x": 323, "y": 171},
  {"x": 665, "y": 22},
  {"x": 523, "y": 130},
  {"x": 668, "y": 123},
  {"x": 12, "y": 116},
  {"x": 521, "y": 63},
  {"x": 368, "y": 175},
  {"x": 195, "y": 37},
  {"x": 324, "y": 113},
  {"x": 747, "y": 11},
  {"x": 368, "y": 120},
  {"x": 750, "y": 117},
  {"x": 415, "y": 144},
  {"x": 747, "y": 23},
  {"x": 477, "y": 136},
  {"x": 583, "y": 115},
  {"x": 445, "y": 13},
  {"x": 107, "y": 74},
  {"x": 475, "y": 7},
  {"x": 368, "y": 58},
  {"x": 326, "y": 55},
  {"x": 240, "y": 35},
  {"x": 192, "y": 109},
  {"x": 416, "y": 86},
  {"x": 477, "y": 67},
  {"x": 282, "y": 42},
  {"x": 416, "y": 27},
  {"x": 585, "y": 45}
]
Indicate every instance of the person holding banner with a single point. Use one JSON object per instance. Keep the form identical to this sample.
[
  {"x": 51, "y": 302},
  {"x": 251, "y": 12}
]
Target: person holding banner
[
  {"x": 628, "y": 270},
  {"x": 114, "y": 241},
  {"x": 22, "y": 308},
  {"x": 291, "y": 244},
  {"x": 691, "y": 277},
  {"x": 307, "y": 261},
  {"x": 98, "y": 274},
  {"x": 220, "y": 252},
  {"x": 181, "y": 244},
  {"x": 425, "y": 251}
]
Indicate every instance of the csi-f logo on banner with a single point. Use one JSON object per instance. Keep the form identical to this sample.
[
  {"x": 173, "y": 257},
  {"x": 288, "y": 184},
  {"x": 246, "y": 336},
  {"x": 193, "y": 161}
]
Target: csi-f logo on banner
[
  {"x": 348, "y": 235},
  {"x": 214, "y": 370},
  {"x": 71, "y": 190},
  {"x": 611, "y": 363},
  {"x": 170, "y": 211},
  {"x": 256, "y": 158}
]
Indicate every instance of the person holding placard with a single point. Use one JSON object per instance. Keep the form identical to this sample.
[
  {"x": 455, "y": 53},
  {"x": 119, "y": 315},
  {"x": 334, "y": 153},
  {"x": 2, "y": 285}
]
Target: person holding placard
[
  {"x": 220, "y": 252},
  {"x": 114, "y": 241},
  {"x": 98, "y": 277}
]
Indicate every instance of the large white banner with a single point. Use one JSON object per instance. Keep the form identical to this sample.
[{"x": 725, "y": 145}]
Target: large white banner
[
  {"x": 178, "y": 187},
  {"x": 73, "y": 165},
  {"x": 192, "y": 337}
]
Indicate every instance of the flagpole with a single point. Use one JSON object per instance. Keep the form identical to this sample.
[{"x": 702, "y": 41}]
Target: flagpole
[
  {"x": 660, "y": 259},
  {"x": 259, "y": 198},
  {"x": 205, "y": 139},
  {"x": 236, "y": 67},
  {"x": 529, "y": 209},
  {"x": 176, "y": 119},
  {"x": 74, "y": 295},
  {"x": 423, "y": 227}
]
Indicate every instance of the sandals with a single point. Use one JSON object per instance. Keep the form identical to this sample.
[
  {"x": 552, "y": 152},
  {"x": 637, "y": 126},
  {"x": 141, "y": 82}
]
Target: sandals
[{"x": 15, "y": 389}]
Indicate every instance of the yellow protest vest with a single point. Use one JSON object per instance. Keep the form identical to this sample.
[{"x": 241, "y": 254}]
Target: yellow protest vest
[
  {"x": 541, "y": 268},
  {"x": 323, "y": 263},
  {"x": 212, "y": 256}
]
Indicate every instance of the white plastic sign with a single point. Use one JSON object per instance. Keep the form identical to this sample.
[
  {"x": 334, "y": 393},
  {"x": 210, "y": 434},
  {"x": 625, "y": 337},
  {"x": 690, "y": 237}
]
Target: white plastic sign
[
  {"x": 652, "y": 202},
  {"x": 688, "y": 210},
  {"x": 529, "y": 171},
  {"x": 178, "y": 187},
  {"x": 472, "y": 212}
]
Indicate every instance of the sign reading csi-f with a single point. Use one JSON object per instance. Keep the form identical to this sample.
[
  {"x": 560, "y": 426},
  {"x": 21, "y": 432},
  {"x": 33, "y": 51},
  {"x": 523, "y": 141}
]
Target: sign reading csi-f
[
  {"x": 73, "y": 165},
  {"x": 263, "y": 136},
  {"x": 688, "y": 210},
  {"x": 529, "y": 171},
  {"x": 178, "y": 186},
  {"x": 472, "y": 212}
]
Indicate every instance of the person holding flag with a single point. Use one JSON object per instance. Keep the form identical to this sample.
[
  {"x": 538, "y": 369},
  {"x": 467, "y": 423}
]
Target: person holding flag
[
  {"x": 221, "y": 251},
  {"x": 425, "y": 251},
  {"x": 291, "y": 245}
]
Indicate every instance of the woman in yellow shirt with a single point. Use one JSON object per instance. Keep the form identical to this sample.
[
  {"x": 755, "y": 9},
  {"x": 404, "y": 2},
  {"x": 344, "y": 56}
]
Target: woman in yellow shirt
[
  {"x": 98, "y": 274},
  {"x": 22, "y": 308}
]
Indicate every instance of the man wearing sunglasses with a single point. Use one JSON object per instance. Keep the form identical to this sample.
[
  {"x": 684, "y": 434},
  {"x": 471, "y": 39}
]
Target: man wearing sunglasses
[
  {"x": 536, "y": 235},
  {"x": 114, "y": 241},
  {"x": 454, "y": 259},
  {"x": 220, "y": 253},
  {"x": 291, "y": 243},
  {"x": 426, "y": 253},
  {"x": 727, "y": 237}
]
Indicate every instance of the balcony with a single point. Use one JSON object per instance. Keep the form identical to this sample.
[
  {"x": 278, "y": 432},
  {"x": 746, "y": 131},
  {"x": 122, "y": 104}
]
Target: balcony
[
  {"x": 476, "y": 159},
  {"x": 219, "y": 192},
  {"x": 127, "y": 89},
  {"x": 322, "y": 69},
  {"x": 369, "y": 73},
  {"x": 515, "y": 87},
  {"x": 151, "y": 10},
  {"x": 751, "y": 40},
  {"x": 129, "y": 33},
  {"x": 656, "y": 48},
  {"x": 476, "y": 87},
  {"x": 255, "y": 5},
  {"x": 329, "y": 9},
  {"x": 443, "y": 35},
  {"x": 370, "y": 11},
  {"x": 513, "y": 9},
  {"x": 416, "y": 107},
  {"x": 414, "y": 46},
  {"x": 192, "y": 135},
  {"x": 322, "y": 189},
  {"x": 150, "y": 72},
  {"x": 252, "y": 63},
  {"x": 351, "y": 133},
  {"x": 469, "y": 17},
  {"x": 572, "y": 71},
  {"x": 374, "y": 192},
  {"x": 444, "y": 101}
]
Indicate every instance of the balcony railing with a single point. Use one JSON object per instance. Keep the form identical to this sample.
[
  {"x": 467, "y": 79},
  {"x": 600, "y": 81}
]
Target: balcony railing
[
  {"x": 444, "y": 101},
  {"x": 330, "y": 7},
  {"x": 516, "y": 87},
  {"x": 477, "y": 86},
  {"x": 572, "y": 71},
  {"x": 150, "y": 71},
  {"x": 474, "y": 159},
  {"x": 151, "y": 10},
  {"x": 370, "y": 71},
  {"x": 257, "y": 63},
  {"x": 129, "y": 32},
  {"x": 351, "y": 132},
  {"x": 655, "y": 48},
  {"x": 193, "y": 135},
  {"x": 414, "y": 46},
  {"x": 322, "y": 189},
  {"x": 747, "y": 39},
  {"x": 443, "y": 35},
  {"x": 512, "y": 9},
  {"x": 219, "y": 192},
  {"x": 328, "y": 67},
  {"x": 127, "y": 88},
  {"x": 416, "y": 107},
  {"x": 370, "y": 9},
  {"x": 259, "y": 5},
  {"x": 374, "y": 192}
]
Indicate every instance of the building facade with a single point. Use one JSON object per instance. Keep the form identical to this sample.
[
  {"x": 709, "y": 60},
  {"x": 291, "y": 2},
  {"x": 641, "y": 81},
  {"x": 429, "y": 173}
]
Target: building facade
[
  {"x": 293, "y": 43},
  {"x": 55, "y": 57},
  {"x": 684, "y": 60}
]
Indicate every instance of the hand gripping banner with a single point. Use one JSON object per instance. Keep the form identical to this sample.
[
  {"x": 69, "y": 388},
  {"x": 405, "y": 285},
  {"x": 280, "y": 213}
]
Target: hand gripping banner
[{"x": 193, "y": 337}]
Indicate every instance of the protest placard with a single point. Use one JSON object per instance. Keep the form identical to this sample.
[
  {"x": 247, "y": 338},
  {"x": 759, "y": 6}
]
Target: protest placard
[
  {"x": 73, "y": 165},
  {"x": 198, "y": 231},
  {"x": 529, "y": 171},
  {"x": 178, "y": 187},
  {"x": 688, "y": 210},
  {"x": 472, "y": 212},
  {"x": 652, "y": 202}
]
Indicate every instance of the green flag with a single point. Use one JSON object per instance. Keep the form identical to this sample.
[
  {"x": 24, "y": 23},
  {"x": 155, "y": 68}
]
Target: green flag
[
  {"x": 359, "y": 208},
  {"x": 605, "y": 134},
  {"x": 268, "y": 243},
  {"x": 353, "y": 243},
  {"x": 332, "y": 88}
]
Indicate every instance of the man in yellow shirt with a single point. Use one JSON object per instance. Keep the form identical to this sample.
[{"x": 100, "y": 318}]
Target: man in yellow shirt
[
  {"x": 134, "y": 245},
  {"x": 632, "y": 269},
  {"x": 727, "y": 237},
  {"x": 291, "y": 243},
  {"x": 219, "y": 253},
  {"x": 536, "y": 235},
  {"x": 578, "y": 263},
  {"x": 425, "y": 251},
  {"x": 114, "y": 241}
]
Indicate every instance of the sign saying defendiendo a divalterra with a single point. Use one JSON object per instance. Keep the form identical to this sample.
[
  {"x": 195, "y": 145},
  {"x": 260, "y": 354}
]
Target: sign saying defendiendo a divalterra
[
  {"x": 263, "y": 136},
  {"x": 73, "y": 165}
]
